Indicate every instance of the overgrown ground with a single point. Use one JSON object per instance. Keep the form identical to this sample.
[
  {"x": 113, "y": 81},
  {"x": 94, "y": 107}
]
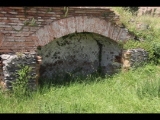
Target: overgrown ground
[
  {"x": 138, "y": 91},
  {"x": 146, "y": 30},
  {"x": 135, "y": 91}
]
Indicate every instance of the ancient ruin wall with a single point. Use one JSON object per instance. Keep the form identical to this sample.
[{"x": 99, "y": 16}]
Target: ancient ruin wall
[
  {"x": 17, "y": 24},
  {"x": 11, "y": 63},
  {"x": 75, "y": 54},
  {"x": 133, "y": 58},
  {"x": 154, "y": 11},
  {"x": 71, "y": 59},
  {"x": 79, "y": 54}
]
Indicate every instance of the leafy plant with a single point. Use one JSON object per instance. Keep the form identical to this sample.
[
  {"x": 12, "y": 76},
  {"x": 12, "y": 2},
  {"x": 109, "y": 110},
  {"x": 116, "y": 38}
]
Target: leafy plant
[
  {"x": 31, "y": 22},
  {"x": 19, "y": 54},
  {"x": 156, "y": 49},
  {"x": 132, "y": 44},
  {"x": 20, "y": 85},
  {"x": 131, "y": 9},
  {"x": 65, "y": 11}
]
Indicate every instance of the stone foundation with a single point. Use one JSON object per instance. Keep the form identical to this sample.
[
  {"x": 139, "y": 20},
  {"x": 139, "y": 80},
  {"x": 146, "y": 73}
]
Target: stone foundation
[
  {"x": 10, "y": 65},
  {"x": 133, "y": 58}
]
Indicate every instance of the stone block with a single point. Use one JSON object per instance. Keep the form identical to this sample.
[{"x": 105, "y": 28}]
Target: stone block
[
  {"x": 133, "y": 58},
  {"x": 10, "y": 66}
]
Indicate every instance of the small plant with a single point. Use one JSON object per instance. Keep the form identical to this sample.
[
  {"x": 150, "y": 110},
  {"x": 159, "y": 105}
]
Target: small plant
[
  {"x": 65, "y": 11},
  {"x": 31, "y": 22},
  {"x": 156, "y": 49},
  {"x": 19, "y": 54},
  {"x": 133, "y": 10},
  {"x": 20, "y": 86},
  {"x": 153, "y": 49}
]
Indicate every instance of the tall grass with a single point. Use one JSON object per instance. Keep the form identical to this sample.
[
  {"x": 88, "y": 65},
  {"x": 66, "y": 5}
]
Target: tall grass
[
  {"x": 149, "y": 37},
  {"x": 136, "y": 91}
]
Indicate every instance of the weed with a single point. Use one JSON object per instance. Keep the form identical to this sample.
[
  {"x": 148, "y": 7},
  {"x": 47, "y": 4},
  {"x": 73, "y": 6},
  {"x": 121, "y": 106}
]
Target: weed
[{"x": 20, "y": 85}]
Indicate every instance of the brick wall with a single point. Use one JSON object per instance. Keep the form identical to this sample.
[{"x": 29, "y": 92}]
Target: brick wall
[
  {"x": 79, "y": 24},
  {"x": 31, "y": 20},
  {"x": 25, "y": 28},
  {"x": 155, "y": 11}
]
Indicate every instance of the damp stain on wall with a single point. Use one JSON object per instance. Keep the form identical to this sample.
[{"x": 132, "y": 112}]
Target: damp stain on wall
[{"x": 79, "y": 54}]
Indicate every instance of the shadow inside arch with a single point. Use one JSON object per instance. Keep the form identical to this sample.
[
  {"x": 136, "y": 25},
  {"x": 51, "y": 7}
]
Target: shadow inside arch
[
  {"x": 68, "y": 80},
  {"x": 107, "y": 52}
]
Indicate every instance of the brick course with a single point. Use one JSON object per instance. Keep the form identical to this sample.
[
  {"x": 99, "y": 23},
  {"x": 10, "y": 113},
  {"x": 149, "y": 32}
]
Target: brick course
[
  {"x": 154, "y": 11},
  {"x": 59, "y": 24}
]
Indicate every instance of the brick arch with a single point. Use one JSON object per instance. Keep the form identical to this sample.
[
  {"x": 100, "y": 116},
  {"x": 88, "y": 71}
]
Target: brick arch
[{"x": 79, "y": 24}]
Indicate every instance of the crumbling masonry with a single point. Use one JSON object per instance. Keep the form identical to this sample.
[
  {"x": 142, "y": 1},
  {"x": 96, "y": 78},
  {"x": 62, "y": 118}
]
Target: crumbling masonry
[{"x": 77, "y": 40}]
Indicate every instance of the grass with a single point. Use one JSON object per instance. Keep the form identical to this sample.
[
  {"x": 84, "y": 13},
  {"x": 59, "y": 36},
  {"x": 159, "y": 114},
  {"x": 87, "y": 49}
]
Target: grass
[
  {"x": 136, "y": 91},
  {"x": 147, "y": 38}
]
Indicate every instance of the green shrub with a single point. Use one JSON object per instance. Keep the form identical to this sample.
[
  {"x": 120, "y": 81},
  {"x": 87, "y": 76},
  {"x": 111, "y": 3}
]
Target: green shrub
[
  {"x": 132, "y": 44},
  {"x": 148, "y": 38},
  {"x": 156, "y": 49},
  {"x": 20, "y": 85},
  {"x": 133, "y": 10}
]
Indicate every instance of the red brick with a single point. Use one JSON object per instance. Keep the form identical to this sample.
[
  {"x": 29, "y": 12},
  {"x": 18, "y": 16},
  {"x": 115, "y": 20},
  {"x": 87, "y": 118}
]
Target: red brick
[
  {"x": 4, "y": 12},
  {"x": 6, "y": 21},
  {"x": 20, "y": 16},
  {"x": 29, "y": 44},
  {"x": 15, "y": 16},
  {"x": 5, "y": 26},
  {"x": 19, "y": 8},
  {"x": 3, "y": 18},
  {"x": 1, "y": 15},
  {"x": 13, "y": 13},
  {"x": 8, "y": 29}
]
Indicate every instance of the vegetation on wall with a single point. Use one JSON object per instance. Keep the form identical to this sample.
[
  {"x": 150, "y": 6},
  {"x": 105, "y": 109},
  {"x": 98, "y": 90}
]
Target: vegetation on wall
[
  {"x": 133, "y": 10},
  {"x": 32, "y": 22},
  {"x": 20, "y": 86},
  {"x": 65, "y": 11},
  {"x": 135, "y": 92},
  {"x": 145, "y": 30}
]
